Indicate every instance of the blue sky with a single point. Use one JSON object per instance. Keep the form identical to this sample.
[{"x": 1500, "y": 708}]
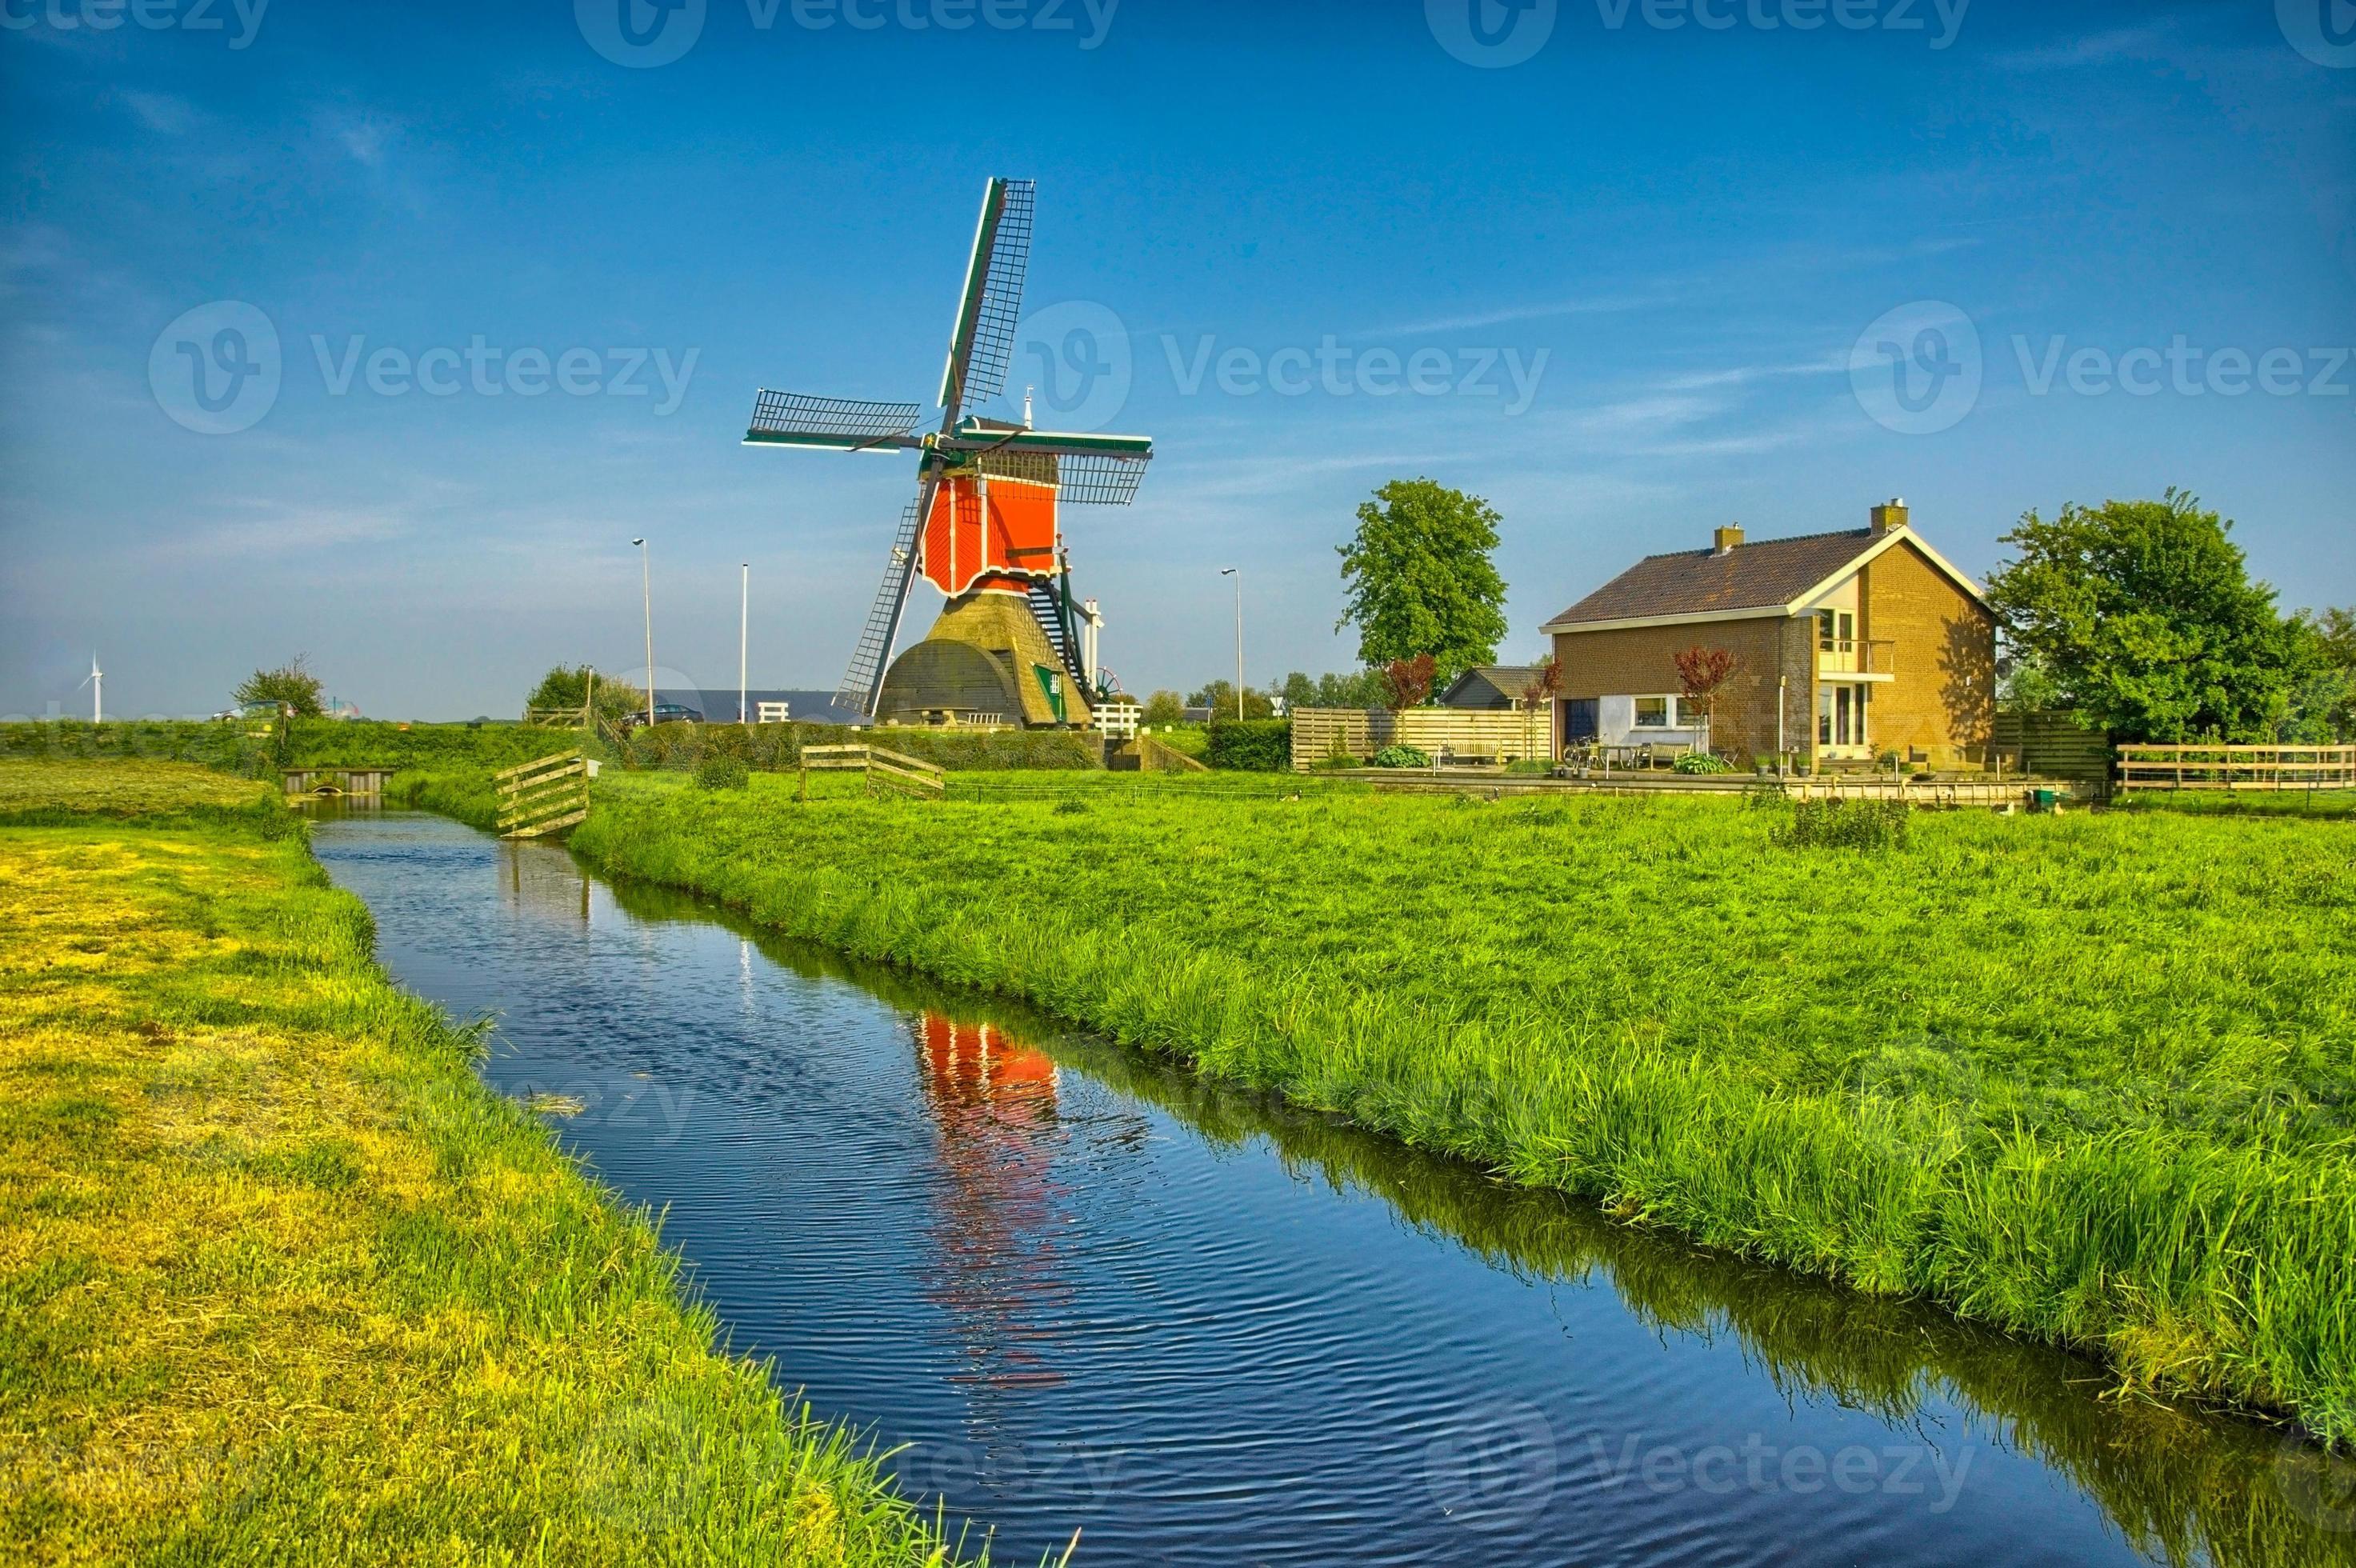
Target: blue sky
[{"x": 1649, "y": 270}]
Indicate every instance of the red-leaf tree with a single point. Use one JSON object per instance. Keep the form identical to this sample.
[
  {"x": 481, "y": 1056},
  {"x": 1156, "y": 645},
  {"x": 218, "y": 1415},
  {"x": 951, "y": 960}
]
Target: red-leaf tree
[
  {"x": 1703, "y": 672},
  {"x": 1408, "y": 681}
]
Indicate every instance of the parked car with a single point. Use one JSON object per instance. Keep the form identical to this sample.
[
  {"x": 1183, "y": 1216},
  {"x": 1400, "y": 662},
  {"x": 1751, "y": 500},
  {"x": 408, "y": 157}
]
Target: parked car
[{"x": 665, "y": 714}]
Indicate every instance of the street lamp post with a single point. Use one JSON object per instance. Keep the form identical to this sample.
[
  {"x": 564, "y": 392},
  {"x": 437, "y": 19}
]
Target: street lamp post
[
  {"x": 647, "y": 588},
  {"x": 743, "y": 633},
  {"x": 1237, "y": 573}
]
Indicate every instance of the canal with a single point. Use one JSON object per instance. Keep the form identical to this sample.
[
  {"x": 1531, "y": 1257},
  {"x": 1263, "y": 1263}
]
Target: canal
[{"x": 1072, "y": 1287}]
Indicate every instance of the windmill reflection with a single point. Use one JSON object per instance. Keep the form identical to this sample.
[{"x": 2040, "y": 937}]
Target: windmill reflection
[{"x": 994, "y": 1106}]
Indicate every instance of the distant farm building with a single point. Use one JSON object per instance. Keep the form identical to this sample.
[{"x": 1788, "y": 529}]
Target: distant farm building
[{"x": 1492, "y": 686}]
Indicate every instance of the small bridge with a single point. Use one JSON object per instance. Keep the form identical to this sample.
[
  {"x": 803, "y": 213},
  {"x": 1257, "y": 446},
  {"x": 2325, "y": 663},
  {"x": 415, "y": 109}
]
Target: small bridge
[{"x": 335, "y": 780}]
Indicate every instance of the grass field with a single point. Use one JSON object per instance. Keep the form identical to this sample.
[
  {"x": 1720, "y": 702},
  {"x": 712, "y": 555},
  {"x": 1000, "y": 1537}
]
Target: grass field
[
  {"x": 281, "y": 1281},
  {"x": 2088, "y": 1077}
]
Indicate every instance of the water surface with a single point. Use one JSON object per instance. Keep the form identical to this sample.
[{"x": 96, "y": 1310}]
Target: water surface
[{"x": 1078, "y": 1288}]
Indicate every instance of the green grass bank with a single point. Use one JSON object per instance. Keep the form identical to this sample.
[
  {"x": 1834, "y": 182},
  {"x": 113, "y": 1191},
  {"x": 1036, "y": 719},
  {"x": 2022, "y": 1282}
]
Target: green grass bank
[
  {"x": 2087, "y": 1077},
  {"x": 281, "y": 1280}
]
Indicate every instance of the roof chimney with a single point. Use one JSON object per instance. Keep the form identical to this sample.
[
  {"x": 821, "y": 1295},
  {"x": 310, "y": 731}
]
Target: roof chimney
[
  {"x": 1889, "y": 516},
  {"x": 1727, "y": 538}
]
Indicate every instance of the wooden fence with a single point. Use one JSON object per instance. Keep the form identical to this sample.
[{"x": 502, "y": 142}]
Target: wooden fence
[
  {"x": 2211, "y": 766},
  {"x": 2054, "y": 744},
  {"x": 1463, "y": 735},
  {"x": 542, "y": 797},
  {"x": 893, "y": 769}
]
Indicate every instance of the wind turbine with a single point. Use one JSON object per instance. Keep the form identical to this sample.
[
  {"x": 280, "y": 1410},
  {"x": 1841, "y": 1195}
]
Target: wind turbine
[{"x": 96, "y": 682}]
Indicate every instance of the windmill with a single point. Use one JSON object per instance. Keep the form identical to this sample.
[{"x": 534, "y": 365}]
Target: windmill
[
  {"x": 984, "y": 527},
  {"x": 96, "y": 682}
]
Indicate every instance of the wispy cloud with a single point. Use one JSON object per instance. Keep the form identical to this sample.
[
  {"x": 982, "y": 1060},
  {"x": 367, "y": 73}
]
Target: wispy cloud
[
  {"x": 1506, "y": 315},
  {"x": 2094, "y": 49},
  {"x": 161, "y": 112}
]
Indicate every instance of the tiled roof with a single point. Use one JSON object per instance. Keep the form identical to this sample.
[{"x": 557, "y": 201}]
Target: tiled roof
[
  {"x": 1765, "y": 576},
  {"x": 1508, "y": 678}
]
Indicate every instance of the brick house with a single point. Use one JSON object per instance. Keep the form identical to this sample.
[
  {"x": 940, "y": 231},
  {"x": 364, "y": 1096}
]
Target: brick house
[{"x": 1848, "y": 647}]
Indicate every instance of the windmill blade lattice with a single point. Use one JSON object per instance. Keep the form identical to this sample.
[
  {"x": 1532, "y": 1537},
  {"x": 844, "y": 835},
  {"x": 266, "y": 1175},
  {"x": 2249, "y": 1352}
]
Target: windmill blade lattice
[
  {"x": 981, "y": 343},
  {"x": 1085, "y": 478},
  {"x": 883, "y": 628},
  {"x": 800, "y": 419}
]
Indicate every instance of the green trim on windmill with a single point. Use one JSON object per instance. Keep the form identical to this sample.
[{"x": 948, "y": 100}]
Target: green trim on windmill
[
  {"x": 968, "y": 437},
  {"x": 828, "y": 442},
  {"x": 968, "y": 315}
]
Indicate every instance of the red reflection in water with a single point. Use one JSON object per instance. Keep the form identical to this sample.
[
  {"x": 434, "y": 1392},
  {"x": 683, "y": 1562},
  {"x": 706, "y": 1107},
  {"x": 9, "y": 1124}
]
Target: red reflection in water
[{"x": 993, "y": 1103}]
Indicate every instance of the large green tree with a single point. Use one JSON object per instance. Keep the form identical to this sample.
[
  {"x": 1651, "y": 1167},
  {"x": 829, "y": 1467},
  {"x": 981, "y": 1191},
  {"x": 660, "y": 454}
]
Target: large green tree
[
  {"x": 1420, "y": 579},
  {"x": 2144, "y": 617}
]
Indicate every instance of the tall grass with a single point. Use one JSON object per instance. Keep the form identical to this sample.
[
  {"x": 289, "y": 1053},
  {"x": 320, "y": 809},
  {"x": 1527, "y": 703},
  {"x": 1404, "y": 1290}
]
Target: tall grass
[
  {"x": 283, "y": 1280},
  {"x": 2083, "y": 1077}
]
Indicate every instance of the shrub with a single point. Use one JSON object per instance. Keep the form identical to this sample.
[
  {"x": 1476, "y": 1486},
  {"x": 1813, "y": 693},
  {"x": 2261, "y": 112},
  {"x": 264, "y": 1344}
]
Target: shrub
[
  {"x": 1400, "y": 756},
  {"x": 723, "y": 773},
  {"x": 1847, "y": 825},
  {"x": 1700, "y": 762},
  {"x": 1251, "y": 745}
]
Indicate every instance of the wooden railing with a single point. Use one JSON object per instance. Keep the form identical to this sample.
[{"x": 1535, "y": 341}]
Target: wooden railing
[
  {"x": 889, "y": 769},
  {"x": 2214, "y": 766},
  {"x": 542, "y": 797}
]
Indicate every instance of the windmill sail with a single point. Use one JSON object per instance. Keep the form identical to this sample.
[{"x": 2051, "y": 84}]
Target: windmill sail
[
  {"x": 865, "y": 676},
  {"x": 797, "y": 419},
  {"x": 982, "y": 342}
]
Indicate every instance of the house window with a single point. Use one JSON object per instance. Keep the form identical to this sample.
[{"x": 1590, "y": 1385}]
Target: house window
[
  {"x": 1653, "y": 713},
  {"x": 1836, "y": 630}
]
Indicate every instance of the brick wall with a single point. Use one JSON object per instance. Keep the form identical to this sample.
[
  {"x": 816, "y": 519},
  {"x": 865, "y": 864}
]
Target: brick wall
[
  {"x": 1641, "y": 660},
  {"x": 1943, "y": 698}
]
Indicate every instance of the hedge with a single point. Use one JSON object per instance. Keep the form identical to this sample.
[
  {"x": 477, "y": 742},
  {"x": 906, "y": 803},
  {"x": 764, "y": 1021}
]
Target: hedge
[{"x": 1251, "y": 745}]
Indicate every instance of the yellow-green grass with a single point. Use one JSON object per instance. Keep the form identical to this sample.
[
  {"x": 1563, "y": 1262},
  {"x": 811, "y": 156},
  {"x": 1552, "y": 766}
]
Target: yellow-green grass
[
  {"x": 2088, "y": 1077},
  {"x": 281, "y": 1281}
]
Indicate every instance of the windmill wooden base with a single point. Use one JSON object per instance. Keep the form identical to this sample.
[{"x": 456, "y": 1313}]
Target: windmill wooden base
[{"x": 987, "y": 663}]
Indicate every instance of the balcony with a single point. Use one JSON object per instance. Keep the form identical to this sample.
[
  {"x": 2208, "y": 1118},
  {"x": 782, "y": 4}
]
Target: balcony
[{"x": 1856, "y": 658}]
